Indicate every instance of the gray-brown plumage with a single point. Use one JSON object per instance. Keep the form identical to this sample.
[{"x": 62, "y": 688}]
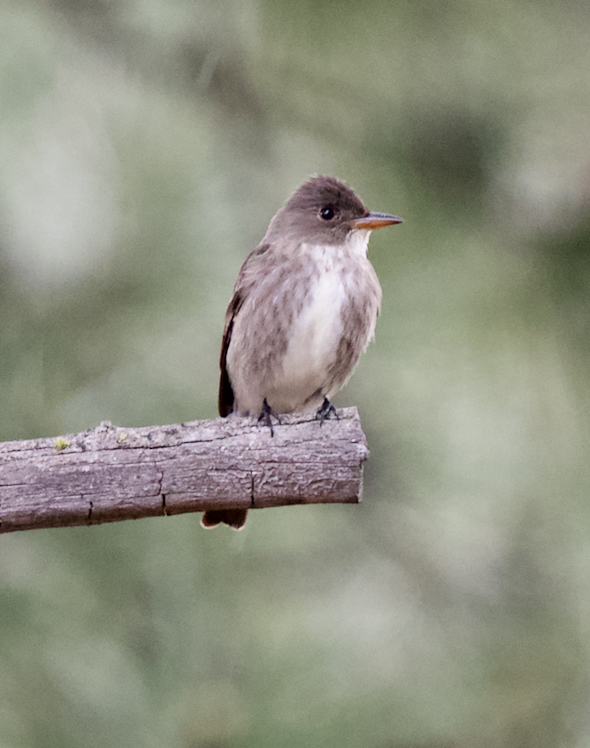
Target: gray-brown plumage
[{"x": 304, "y": 308}]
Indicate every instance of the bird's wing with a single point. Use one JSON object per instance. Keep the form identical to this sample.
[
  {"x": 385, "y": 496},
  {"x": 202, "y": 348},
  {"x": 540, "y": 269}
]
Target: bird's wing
[{"x": 242, "y": 288}]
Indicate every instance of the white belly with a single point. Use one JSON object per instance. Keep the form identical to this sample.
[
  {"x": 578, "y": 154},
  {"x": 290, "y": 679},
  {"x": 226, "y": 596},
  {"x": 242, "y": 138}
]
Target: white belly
[{"x": 312, "y": 347}]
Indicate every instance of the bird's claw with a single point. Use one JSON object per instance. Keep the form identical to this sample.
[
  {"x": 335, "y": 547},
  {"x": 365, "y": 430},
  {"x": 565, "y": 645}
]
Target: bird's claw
[
  {"x": 326, "y": 410},
  {"x": 266, "y": 416}
]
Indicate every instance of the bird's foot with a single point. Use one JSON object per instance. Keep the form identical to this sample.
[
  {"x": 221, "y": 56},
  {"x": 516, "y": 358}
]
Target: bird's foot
[
  {"x": 266, "y": 416},
  {"x": 326, "y": 410}
]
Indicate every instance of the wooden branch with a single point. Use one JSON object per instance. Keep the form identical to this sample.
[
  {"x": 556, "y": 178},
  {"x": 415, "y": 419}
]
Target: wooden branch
[{"x": 109, "y": 473}]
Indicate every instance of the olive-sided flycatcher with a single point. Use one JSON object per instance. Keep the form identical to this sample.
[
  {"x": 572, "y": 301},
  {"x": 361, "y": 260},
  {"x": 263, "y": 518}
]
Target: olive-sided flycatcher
[{"x": 304, "y": 308}]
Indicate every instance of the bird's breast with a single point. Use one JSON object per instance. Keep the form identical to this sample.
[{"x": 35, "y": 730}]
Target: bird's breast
[
  {"x": 317, "y": 329},
  {"x": 323, "y": 328}
]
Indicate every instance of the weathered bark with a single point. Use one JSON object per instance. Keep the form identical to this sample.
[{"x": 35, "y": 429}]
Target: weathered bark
[{"x": 109, "y": 473}]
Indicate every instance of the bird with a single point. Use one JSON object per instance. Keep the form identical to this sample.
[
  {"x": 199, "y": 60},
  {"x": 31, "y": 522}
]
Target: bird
[{"x": 304, "y": 308}]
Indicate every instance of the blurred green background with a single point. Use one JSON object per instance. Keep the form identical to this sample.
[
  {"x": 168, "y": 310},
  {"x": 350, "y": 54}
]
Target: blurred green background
[{"x": 144, "y": 145}]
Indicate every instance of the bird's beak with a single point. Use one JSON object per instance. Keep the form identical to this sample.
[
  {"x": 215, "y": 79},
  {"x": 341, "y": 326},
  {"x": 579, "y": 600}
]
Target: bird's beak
[{"x": 375, "y": 221}]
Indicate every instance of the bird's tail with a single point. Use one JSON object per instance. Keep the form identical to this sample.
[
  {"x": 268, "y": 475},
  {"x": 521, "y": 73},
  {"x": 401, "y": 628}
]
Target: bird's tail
[{"x": 235, "y": 518}]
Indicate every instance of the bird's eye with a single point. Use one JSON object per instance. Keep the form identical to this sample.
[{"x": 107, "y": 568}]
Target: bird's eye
[{"x": 327, "y": 213}]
